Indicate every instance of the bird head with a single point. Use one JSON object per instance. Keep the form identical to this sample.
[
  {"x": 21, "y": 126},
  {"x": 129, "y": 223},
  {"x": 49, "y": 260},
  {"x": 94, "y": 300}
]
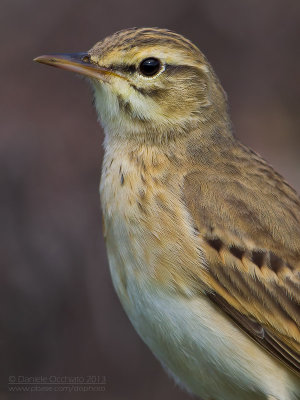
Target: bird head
[{"x": 150, "y": 85}]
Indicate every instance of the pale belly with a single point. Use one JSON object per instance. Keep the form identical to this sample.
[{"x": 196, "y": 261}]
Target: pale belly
[{"x": 199, "y": 347}]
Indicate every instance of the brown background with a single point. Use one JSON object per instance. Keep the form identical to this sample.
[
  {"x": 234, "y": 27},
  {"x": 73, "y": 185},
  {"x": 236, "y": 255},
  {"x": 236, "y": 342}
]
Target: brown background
[{"x": 58, "y": 312}]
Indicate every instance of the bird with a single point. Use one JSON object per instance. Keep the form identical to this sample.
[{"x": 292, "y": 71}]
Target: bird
[{"x": 202, "y": 234}]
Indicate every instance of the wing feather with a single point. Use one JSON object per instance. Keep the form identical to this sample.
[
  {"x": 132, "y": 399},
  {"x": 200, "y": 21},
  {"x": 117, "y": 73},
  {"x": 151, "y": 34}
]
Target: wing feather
[{"x": 249, "y": 229}]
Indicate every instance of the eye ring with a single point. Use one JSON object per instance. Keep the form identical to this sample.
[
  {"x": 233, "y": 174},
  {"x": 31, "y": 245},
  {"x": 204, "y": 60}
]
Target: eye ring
[{"x": 150, "y": 66}]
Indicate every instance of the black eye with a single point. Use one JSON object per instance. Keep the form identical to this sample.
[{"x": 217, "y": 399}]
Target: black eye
[{"x": 150, "y": 66}]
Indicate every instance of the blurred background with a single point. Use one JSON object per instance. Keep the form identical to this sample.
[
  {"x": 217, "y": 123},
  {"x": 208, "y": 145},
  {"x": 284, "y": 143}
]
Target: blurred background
[{"x": 59, "y": 315}]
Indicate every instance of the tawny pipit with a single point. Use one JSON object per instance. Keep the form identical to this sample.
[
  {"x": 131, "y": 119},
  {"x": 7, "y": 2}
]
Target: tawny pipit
[{"x": 203, "y": 236}]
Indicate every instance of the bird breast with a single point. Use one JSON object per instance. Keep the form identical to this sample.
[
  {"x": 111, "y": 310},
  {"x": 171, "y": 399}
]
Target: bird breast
[{"x": 147, "y": 228}]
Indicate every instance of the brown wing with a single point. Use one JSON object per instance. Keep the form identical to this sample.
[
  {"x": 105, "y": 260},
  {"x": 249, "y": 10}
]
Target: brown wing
[{"x": 248, "y": 221}]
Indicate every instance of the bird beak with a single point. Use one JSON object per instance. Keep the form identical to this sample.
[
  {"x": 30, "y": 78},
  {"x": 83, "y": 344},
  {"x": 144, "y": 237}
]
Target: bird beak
[{"x": 77, "y": 62}]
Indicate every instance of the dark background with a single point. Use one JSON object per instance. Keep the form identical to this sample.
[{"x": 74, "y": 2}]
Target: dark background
[{"x": 59, "y": 314}]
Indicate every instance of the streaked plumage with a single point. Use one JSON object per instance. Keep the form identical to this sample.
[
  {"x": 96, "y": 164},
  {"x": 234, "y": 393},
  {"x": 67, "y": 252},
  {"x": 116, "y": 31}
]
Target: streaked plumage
[{"x": 203, "y": 236}]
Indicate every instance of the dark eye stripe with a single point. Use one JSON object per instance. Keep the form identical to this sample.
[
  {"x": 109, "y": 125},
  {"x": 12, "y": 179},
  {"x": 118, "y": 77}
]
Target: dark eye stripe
[
  {"x": 170, "y": 68},
  {"x": 173, "y": 69},
  {"x": 123, "y": 68}
]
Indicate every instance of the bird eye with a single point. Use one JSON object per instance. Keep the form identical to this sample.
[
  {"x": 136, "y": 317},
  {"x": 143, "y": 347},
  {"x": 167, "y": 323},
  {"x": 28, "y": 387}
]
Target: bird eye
[{"x": 150, "y": 66}]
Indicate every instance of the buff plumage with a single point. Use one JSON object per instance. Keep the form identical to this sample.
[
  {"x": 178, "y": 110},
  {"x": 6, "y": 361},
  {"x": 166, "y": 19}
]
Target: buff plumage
[{"x": 203, "y": 236}]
